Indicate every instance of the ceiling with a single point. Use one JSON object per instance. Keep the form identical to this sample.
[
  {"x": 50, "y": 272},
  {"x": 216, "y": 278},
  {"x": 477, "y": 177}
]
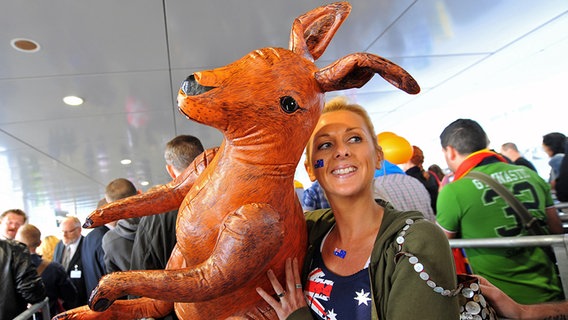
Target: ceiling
[{"x": 502, "y": 63}]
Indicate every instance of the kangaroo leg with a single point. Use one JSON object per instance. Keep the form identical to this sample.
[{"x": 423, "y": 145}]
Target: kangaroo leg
[{"x": 121, "y": 309}]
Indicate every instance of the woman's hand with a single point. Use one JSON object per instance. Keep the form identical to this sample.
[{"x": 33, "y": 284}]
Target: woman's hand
[{"x": 291, "y": 298}]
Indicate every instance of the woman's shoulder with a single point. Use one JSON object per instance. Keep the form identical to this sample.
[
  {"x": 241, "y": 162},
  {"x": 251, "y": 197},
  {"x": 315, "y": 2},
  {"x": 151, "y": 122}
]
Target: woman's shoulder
[
  {"x": 397, "y": 219},
  {"x": 318, "y": 223},
  {"x": 556, "y": 159},
  {"x": 412, "y": 223},
  {"x": 318, "y": 214},
  {"x": 425, "y": 236}
]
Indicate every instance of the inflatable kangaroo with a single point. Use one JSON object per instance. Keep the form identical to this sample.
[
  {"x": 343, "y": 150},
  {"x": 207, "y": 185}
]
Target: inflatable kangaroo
[{"x": 240, "y": 216}]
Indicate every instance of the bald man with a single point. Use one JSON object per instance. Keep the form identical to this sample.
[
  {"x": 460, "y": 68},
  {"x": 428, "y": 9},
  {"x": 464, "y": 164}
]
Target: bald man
[
  {"x": 57, "y": 282},
  {"x": 511, "y": 151}
]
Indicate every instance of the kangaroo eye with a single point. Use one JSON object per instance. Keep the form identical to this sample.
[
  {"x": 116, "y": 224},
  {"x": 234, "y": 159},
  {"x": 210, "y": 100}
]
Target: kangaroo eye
[{"x": 288, "y": 104}]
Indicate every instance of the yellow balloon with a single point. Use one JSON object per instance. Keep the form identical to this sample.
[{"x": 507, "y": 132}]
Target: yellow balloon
[
  {"x": 397, "y": 150},
  {"x": 385, "y": 135}
]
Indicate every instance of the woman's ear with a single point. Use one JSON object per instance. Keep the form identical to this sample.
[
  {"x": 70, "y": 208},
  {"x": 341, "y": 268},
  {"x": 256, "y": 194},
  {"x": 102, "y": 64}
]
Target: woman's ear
[{"x": 380, "y": 158}]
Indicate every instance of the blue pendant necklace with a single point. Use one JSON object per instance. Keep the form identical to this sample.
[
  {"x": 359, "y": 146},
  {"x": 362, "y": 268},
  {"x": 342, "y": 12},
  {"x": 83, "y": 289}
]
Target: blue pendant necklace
[{"x": 339, "y": 253}]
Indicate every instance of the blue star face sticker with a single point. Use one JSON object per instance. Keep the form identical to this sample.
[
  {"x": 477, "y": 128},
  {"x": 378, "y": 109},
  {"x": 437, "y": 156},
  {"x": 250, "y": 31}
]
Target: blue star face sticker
[{"x": 318, "y": 163}]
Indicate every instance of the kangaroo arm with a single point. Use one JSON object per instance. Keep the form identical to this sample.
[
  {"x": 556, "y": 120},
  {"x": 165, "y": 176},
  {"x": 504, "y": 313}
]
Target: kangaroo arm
[
  {"x": 249, "y": 238},
  {"x": 121, "y": 309},
  {"x": 156, "y": 200}
]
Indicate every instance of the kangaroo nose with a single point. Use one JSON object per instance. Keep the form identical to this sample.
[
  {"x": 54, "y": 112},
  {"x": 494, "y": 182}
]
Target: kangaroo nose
[{"x": 191, "y": 88}]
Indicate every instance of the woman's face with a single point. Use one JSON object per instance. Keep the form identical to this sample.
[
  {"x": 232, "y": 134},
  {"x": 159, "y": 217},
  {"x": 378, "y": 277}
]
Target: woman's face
[
  {"x": 547, "y": 150},
  {"x": 344, "y": 157}
]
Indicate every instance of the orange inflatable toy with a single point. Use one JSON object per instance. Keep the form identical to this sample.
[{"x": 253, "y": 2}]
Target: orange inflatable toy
[
  {"x": 396, "y": 149},
  {"x": 240, "y": 216}
]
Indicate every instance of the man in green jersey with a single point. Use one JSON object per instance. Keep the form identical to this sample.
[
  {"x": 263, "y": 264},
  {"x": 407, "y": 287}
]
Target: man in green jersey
[{"x": 467, "y": 208}]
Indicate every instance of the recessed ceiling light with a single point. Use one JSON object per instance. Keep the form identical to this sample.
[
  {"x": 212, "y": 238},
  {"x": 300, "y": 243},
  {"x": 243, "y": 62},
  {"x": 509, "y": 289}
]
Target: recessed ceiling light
[
  {"x": 24, "y": 45},
  {"x": 73, "y": 100},
  {"x": 126, "y": 161},
  {"x": 144, "y": 183}
]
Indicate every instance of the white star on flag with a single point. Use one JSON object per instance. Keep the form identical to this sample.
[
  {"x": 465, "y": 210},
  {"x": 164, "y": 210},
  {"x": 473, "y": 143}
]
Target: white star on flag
[
  {"x": 362, "y": 297},
  {"x": 331, "y": 315}
]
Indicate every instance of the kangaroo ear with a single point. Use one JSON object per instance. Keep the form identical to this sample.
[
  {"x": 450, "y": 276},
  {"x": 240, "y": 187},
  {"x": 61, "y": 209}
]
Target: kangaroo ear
[
  {"x": 354, "y": 70},
  {"x": 312, "y": 31}
]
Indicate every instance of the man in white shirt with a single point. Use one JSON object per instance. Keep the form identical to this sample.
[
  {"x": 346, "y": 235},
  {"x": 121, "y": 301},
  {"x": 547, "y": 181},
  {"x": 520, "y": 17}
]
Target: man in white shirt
[{"x": 68, "y": 253}]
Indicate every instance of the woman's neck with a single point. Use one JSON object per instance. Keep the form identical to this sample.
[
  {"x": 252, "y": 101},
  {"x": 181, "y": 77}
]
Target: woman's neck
[
  {"x": 349, "y": 244},
  {"x": 356, "y": 219}
]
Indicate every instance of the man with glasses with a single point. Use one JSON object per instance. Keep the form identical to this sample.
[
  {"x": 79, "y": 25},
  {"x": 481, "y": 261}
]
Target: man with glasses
[{"x": 68, "y": 253}]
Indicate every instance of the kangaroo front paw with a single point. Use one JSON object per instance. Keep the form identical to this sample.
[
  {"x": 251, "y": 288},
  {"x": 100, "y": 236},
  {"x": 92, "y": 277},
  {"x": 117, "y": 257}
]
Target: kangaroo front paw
[
  {"x": 98, "y": 301},
  {"x": 80, "y": 313}
]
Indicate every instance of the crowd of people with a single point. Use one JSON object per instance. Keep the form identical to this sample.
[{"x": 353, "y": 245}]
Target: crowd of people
[
  {"x": 66, "y": 269},
  {"x": 378, "y": 232}
]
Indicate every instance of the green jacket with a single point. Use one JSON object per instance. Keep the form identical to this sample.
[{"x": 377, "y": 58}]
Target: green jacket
[{"x": 398, "y": 291}]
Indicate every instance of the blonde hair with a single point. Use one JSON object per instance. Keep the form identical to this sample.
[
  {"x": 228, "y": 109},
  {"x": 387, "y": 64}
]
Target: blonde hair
[
  {"x": 47, "y": 247},
  {"x": 340, "y": 103}
]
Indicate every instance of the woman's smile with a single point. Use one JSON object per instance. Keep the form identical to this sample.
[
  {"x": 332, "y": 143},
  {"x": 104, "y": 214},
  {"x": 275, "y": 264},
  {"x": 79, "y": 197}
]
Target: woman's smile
[{"x": 343, "y": 171}]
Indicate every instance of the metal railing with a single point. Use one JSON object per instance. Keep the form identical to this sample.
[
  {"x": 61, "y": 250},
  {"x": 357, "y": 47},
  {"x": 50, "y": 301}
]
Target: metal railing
[
  {"x": 561, "y": 205},
  {"x": 29, "y": 313},
  {"x": 558, "y": 242}
]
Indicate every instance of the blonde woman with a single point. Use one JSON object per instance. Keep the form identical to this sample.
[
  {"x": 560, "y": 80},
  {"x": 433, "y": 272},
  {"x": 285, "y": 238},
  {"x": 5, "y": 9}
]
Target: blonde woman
[
  {"x": 47, "y": 247},
  {"x": 365, "y": 260}
]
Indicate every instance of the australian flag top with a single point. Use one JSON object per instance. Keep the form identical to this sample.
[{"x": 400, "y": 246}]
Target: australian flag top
[{"x": 333, "y": 297}]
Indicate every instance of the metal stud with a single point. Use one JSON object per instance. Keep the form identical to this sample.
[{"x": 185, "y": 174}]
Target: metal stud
[
  {"x": 472, "y": 307},
  {"x": 418, "y": 267},
  {"x": 467, "y": 292}
]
